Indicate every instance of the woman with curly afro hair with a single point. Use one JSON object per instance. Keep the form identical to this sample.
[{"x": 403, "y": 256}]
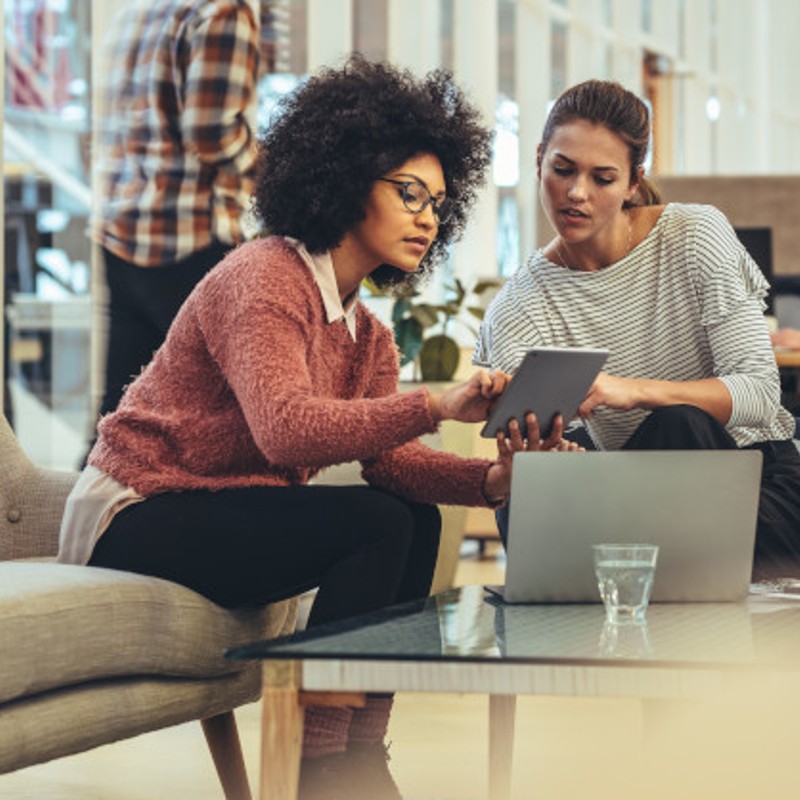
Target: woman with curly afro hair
[
  {"x": 321, "y": 157},
  {"x": 274, "y": 370}
]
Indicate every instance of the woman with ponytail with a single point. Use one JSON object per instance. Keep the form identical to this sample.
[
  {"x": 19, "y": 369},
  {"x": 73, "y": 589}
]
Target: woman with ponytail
[{"x": 669, "y": 290}]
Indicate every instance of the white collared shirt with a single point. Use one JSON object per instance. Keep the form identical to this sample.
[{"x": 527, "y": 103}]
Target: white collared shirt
[{"x": 321, "y": 266}]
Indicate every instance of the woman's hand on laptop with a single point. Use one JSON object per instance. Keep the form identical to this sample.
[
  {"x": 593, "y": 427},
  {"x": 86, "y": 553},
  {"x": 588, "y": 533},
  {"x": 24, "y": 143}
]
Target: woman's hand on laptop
[{"x": 498, "y": 476}]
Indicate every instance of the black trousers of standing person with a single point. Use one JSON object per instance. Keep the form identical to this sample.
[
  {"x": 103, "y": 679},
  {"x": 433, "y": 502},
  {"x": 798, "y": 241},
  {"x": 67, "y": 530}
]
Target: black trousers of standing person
[
  {"x": 685, "y": 427},
  {"x": 364, "y": 548},
  {"x": 142, "y": 302}
]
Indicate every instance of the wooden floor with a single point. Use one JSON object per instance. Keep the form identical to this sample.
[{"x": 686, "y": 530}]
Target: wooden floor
[{"x": 565, "y": 749}]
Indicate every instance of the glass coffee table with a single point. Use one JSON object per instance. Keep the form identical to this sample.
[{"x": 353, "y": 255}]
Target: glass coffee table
[{"x": 463, "y": 640}]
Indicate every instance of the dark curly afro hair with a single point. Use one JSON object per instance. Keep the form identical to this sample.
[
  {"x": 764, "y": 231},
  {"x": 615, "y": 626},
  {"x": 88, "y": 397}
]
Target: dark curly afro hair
[{"x": 343, "y": 129}]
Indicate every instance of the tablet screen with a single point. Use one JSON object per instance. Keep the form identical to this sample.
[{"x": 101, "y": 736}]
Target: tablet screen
[{"x": 549, "y": 381}]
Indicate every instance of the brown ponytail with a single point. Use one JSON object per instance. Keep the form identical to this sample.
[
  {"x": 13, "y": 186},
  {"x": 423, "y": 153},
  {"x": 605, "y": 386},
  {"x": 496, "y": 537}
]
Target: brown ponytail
[{"x": 647, "y": 194}]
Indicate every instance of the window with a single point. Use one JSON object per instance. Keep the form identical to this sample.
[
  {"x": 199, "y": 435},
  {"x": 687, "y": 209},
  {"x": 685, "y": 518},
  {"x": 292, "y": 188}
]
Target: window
[
  {"x": 647, "y": 15},
  {"x": 558, "y": 58},
  {"x": 369, "y": 28},
  {"x": 47, "y": 253}
]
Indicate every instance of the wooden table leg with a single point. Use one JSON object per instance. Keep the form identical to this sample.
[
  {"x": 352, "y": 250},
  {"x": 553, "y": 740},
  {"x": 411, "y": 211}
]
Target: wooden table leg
[
  {"x": 502, "y": 710},
  {"x": 281, "y": 731}
]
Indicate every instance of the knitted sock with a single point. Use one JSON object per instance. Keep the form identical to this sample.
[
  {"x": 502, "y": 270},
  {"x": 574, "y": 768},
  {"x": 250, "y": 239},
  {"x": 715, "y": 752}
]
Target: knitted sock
[
  {"x": 369, "y": 724},
  {"x": 325, "y": 730}
]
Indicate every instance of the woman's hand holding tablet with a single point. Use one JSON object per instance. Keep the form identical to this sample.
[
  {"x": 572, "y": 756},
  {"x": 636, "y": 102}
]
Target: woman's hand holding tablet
[{"x": 549, "y": 381}]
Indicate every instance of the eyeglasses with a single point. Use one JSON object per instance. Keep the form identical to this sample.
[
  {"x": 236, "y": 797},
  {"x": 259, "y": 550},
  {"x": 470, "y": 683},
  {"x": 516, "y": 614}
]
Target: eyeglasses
[{"x": 417, "y": 197}]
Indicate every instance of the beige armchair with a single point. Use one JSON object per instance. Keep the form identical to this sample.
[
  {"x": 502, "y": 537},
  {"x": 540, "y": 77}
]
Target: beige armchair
[{"x": 91, "y": 655}]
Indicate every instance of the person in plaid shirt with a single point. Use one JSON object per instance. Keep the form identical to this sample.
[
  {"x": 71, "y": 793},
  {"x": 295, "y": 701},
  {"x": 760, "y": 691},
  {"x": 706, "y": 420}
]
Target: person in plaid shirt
[{"x": 174, "y": 153}]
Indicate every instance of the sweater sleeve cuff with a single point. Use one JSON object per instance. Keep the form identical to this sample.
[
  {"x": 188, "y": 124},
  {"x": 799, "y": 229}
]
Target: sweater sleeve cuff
[{"x": 426, "y": 392}]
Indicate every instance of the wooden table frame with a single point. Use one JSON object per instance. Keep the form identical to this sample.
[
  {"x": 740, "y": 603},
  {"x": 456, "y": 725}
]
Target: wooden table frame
[{"x": 290, "y": 685}]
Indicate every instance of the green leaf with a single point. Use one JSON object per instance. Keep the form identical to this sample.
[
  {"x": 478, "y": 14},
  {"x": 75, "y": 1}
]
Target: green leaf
[
  {"x": 373, "y": 288},
  {"x": 487, "y": 283},
  {"x": 399, "y": 309},
  {"x": 451, "y": 309},
  {"x": 438, "y": 358},
  {"x": 408, "y": 335},
  {"x": 425, "y": 314}
]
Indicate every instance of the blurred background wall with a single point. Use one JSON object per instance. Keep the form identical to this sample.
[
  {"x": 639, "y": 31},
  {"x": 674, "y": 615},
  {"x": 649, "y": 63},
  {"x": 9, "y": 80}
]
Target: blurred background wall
[{"x": 719, "y": 75}]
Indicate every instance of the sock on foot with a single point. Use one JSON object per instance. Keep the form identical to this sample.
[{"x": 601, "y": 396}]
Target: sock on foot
[
  {"x": 325, "y": 730},
  {"x": 370, "y": 723}
]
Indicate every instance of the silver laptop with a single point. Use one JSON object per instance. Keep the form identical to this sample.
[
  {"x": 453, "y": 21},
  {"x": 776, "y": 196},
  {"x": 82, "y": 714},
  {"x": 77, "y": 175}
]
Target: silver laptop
[{"x": 700, "y": 507}]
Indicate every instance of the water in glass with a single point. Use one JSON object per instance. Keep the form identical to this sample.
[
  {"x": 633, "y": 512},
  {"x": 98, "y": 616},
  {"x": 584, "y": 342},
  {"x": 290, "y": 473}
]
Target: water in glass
[{"x": 625, "y": 579}]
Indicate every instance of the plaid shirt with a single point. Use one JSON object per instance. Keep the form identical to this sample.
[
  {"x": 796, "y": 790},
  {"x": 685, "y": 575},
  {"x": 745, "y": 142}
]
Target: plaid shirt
[{"x": 175, "y": 145}]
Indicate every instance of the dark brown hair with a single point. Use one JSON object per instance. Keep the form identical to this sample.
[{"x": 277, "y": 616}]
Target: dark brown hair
[{"x": 610, "y": 104}]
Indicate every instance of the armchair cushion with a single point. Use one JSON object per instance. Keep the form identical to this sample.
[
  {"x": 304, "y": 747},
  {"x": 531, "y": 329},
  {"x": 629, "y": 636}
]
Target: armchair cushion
[{"x": 62, "y": 625}]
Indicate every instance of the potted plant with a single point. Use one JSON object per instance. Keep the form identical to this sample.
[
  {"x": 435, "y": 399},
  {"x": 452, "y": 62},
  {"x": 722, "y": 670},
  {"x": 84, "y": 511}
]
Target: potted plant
[{"x": 437, "y": 355}]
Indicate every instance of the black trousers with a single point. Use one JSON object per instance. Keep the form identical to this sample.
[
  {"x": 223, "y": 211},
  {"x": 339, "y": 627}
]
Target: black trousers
[
  {"x": 777, "y": 550},
  {"x": 363, "y": 548},
  {"x": 142, "y": 302},
  {"x": 685, "y": 427}
]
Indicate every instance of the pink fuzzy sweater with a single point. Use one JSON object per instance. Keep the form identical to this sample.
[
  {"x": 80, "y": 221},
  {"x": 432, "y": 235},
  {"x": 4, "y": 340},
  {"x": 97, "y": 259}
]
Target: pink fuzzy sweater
[{"x": 254, "y": 387}]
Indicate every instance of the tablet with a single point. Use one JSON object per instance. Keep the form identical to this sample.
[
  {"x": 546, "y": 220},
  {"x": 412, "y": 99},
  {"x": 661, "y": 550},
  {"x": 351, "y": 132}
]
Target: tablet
[{"x": 548, "y": 381}]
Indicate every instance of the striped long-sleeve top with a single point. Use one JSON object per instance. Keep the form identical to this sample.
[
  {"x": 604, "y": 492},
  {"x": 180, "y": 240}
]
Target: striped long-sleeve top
[{"x": 685, "y": 304}]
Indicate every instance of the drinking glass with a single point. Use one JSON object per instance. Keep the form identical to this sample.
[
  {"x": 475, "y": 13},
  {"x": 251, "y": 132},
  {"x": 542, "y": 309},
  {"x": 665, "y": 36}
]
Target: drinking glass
[{"x": 625, "y": 575}]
